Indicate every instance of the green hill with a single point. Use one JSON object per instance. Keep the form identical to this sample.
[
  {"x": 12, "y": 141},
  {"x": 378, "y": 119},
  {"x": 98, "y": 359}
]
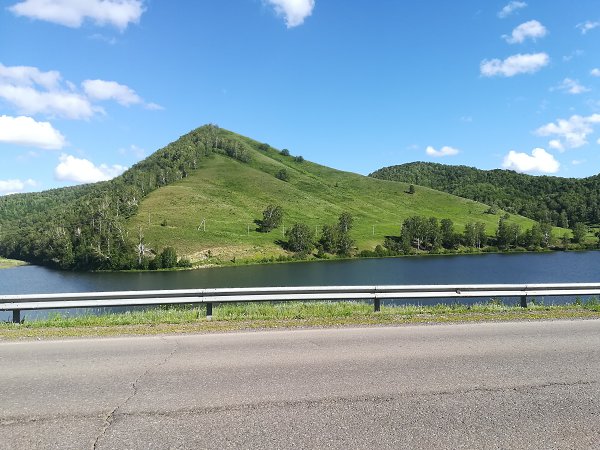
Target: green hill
[
  {"x": 201, "y": 195},
  {"x": 559, "y": 201}
]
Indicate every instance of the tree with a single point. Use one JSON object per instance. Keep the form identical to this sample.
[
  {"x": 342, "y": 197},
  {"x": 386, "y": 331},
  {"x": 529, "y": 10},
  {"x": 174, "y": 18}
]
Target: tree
[
  {"x": 168, "y": 258},
  {"x": 448, "y": 235},
  {"x": 579, "y": 232},
  {"x": 329, "y": 238},
  {"x": 300, "y": 239},
  {"x": 503, "y": 236},
  {"x": 345, "y": 245},
  {"x": 345, "y": 222},
  {"x": 285, "y": 152},
  {"x": 474, "y": 235},
  {"x": 282, "y": 175},
  {"x": 272, "y": 217},
  {"x": 414, "y": 230},
  {"x": 298, "y": 159},
  {"x": 411, "y": 189}
]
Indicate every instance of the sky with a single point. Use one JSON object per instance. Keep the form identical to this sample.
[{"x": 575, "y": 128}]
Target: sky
[{"x": 90, "y": 87}]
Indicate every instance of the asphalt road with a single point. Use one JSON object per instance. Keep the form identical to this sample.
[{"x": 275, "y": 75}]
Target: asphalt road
[{"x": 505, "y": 385}]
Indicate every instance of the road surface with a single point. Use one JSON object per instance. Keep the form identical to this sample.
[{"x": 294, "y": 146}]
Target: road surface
[{"x": 502, "y": 385}]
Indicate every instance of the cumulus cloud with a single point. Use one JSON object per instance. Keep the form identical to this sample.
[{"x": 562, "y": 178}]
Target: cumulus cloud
[
  {"x": 72, "y": 13},
  {"x": 110, "y": 90},
  {"x": 528, "y": 30},
  {"x": 14, "y": 186},
  {"x": 510, "y": 8},
  {"x": 514, "y": 65},
  {"x": 293, "y": 11},
  {"x": 556, "y": 145},
  {"x": 571, "y": 86},
  {"x": 587, "y": 26},
  {"x": 26, "y": 131},
  {"x": 571, "y": 132},
  {"x": 444, "y": 151},
  {"x": 595, "y": 72},
  {"x": 539, "y": 161},
  {"x": 31, "y": 91},
  {"x": 81, "y": 170}
]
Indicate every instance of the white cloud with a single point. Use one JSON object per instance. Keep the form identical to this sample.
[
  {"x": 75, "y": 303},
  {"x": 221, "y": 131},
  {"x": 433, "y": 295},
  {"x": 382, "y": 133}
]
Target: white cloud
[
  {"x": 532, "y": 29},
  {"x": 110, "y": 90},
  {"x": 31, "y": 91},
  {"x": 153, "y": 106},
  {"x": 26, "y": 131},
  {"x": 514, "y": 65},
  {"x": 539, "y": 161},
  {"x": 510, "y": 8},
  {"x": 598, "y": 141},
  {"x": 80, "y": 170},
  {"x": 556, "y": 145},
  {"x": 444, "y": 151},
  {"x": 587, "y": 26},
  {"x": 72, "y": 13},
  {"x": 577, "y": 162},
  {"x": 571, "y": 86},
  {"x": 294, "y": 11},
  {"x": 14, "y": 186},
  {"x": 595, "y": 72},
  {"x": 572, "y": 132}
]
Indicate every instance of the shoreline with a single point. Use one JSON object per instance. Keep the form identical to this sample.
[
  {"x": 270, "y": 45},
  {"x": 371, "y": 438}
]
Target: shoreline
[{"x": 259, "y": 262}]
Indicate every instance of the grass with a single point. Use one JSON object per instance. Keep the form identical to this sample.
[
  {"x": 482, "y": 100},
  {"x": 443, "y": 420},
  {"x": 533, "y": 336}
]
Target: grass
[
  {"x": 249, "y": 316},
  {"x": 8, "y": 263},
  {"x": 231, "y": 195}
]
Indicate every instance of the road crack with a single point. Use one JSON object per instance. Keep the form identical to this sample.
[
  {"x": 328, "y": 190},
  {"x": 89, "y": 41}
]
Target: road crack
[{"x": 110, "y": 418}]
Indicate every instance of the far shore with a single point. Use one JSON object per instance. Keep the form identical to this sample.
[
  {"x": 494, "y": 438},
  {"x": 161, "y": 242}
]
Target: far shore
[{"x": 8, "y": 263}]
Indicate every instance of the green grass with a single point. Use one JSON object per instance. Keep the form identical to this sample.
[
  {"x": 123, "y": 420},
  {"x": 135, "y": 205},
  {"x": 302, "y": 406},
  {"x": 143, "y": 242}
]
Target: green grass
[
  {"x": 248, "y": 316},
  {"x": 230, "y": 195},
  {"x": 8, "y": 263}
]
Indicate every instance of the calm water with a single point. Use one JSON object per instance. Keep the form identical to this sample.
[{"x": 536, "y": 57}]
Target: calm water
[{"x": 477, "y": 269}]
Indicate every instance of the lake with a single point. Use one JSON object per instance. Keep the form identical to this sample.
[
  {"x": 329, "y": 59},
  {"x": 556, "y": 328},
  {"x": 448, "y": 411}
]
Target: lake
[{"x": 556, "y": 267}]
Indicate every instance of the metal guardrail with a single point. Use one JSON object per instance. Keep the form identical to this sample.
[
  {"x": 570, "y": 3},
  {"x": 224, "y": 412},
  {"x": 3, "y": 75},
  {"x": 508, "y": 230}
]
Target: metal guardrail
[{"x": 18, "y": 303}]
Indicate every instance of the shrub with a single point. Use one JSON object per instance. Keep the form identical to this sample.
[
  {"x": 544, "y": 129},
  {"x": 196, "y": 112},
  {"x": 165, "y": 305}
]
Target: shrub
[{"x": 282, "y": 175}]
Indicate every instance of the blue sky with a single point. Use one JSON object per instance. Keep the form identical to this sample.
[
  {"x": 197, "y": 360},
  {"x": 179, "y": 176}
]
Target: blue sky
[{"x": 89, "y": 87}]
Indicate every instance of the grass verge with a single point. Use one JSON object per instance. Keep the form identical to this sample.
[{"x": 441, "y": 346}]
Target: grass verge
[{"x": 253, "y": 316}]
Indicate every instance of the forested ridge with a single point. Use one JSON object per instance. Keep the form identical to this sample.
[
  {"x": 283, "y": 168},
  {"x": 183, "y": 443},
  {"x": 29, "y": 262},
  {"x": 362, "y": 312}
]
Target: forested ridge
[
  {"x": 83, "y": 227},
  {"x": 559, "y": 201}
]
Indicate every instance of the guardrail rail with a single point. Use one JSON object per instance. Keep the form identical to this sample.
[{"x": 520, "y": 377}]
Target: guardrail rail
[{"x": 209, "y": 297}]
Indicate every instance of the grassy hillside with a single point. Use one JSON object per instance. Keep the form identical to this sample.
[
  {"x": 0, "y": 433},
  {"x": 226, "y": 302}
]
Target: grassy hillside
[
  {"x": 559, "y": 201},
  {"x": 230, "y": 195},
  {"x": 226, "y": 179}
]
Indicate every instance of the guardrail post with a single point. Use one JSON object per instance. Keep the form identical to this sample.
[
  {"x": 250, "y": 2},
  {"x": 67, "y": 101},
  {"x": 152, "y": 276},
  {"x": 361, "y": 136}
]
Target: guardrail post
[
  {"x": 16, "y": 316},
  {"x": 209, "y": 308},
  {"x": 523, "y": 301},
  {"x": 376, "y": 304}
]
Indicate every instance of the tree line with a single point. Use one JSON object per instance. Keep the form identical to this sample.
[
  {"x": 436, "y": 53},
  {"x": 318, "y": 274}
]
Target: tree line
[{"x": 558, "y": 201}]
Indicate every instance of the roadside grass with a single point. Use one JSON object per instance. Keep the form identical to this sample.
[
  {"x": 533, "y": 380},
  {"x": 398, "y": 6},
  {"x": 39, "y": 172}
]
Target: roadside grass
[{"x": 251, "y": 316}]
